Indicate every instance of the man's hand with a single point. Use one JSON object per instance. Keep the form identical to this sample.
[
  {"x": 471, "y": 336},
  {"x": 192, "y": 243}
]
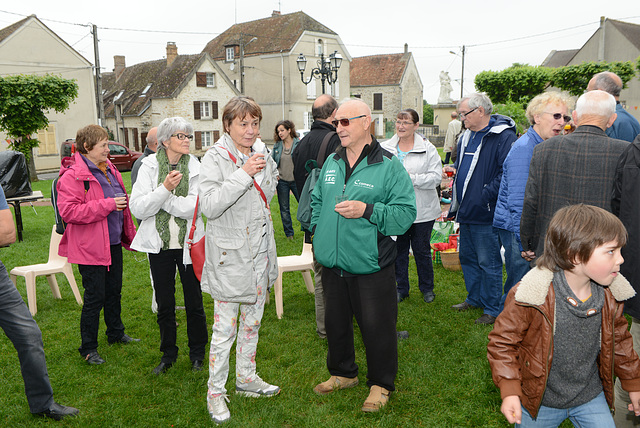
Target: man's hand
[
  {"x": 528, "y": 255},
  {"x": 7, "y": 229},
  {"x": 634, "y": 407},
  {"x": 351, "y": 209},
  {"x": 512, "y": 409}
]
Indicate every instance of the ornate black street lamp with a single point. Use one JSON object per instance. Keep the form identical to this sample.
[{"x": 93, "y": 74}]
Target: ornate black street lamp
[{"x": 327, "y": 70}]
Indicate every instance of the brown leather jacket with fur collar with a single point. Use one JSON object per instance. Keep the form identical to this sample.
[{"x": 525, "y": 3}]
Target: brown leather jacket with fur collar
[{"x": 520, "y": 349}]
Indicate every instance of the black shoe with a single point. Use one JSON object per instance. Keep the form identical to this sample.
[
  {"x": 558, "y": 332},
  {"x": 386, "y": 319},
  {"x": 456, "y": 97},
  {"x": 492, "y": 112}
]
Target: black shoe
[
  {"x": 124, "y": 339},
  {"x": 94, "y": 358},
  {"x": 401, "y": 297},
  {"x": 196, "y": 365},
  {"x": 58, "y": 411},
  {"x": 463, "y": 306},
  {"x": 429, "y": 296},
  {"x": 486, "y": 319},
  {"x": 162, "y": 368}
]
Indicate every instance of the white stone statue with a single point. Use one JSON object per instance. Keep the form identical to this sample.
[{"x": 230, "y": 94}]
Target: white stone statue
[{"x": 445, "y": 88}]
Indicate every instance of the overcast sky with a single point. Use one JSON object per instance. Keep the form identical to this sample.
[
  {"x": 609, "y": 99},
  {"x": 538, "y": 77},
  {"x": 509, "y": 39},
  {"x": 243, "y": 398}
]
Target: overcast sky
[{"x": 496, "y": 33}]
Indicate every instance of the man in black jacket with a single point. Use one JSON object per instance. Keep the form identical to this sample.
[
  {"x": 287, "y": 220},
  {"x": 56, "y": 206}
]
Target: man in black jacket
[
  {"x": 625, "y": 204},
  {"x": 323, "y": 112}
]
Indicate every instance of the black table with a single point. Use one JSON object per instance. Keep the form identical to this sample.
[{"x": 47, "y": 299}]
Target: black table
[{"x": 34, "y": 196}]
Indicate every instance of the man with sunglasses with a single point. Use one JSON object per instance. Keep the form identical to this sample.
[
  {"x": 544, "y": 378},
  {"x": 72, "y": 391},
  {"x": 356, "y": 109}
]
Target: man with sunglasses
[
  {"x": 482, "y": 149},
  {"x": 362, "y": 197},
  {"x": 571, "y": 169},
  {"x": 625, "y": 127}
]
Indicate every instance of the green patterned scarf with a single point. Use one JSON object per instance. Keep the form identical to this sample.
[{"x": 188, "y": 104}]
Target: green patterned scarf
[{"x": 163, "y": 217}]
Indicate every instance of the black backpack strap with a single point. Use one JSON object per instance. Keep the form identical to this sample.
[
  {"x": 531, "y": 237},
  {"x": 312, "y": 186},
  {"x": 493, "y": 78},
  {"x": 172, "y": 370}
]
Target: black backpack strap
[{"x": 322, "y": 153}]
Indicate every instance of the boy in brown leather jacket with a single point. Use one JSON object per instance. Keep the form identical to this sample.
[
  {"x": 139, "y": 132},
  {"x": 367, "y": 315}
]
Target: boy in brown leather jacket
[{"x": 552, "y": 348}]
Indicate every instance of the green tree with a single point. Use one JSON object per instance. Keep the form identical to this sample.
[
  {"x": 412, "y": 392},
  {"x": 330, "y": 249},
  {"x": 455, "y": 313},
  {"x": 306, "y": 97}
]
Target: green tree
[
  {"x": 575, "y": 78},
  {"x": 427, "y": 113},
  {"x": 24, "y": 102},
  {"x": 515, "y": 111},
  {"x": 518, "y": 83}
]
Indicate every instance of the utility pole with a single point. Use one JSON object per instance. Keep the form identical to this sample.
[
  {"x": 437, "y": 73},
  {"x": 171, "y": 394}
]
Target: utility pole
[
  {"x": 98, "y": 77},
  {"x": 462, "y": 76}
]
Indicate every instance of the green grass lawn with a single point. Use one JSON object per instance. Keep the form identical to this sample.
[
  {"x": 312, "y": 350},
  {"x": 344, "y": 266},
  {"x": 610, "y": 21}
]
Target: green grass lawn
[{"x": 443, "y": 378}]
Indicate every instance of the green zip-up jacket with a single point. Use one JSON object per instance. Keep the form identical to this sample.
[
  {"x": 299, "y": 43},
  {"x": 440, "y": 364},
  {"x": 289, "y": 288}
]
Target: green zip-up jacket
[{"x": 363, "y": 245}]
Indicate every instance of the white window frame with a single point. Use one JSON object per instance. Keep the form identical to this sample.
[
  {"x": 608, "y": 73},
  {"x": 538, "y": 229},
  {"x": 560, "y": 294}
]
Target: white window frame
[
  {"x": 311, "y": 89},
  {"x": 207, "y": 138},
  {"x": 230, "y": 54},
  {"x": 205, "y": 110},
  {"x": 145, "y": 90},
  {"x": 211, "y": 80}
]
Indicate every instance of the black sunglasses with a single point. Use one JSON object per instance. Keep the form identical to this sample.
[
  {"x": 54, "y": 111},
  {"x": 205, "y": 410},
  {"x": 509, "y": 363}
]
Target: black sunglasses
[
  {"x": 557, "y": 116},
  {"x": 345, "y": 122}
]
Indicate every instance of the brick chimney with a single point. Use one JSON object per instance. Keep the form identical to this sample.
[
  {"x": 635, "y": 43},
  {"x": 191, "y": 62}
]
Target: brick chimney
[
  {"x": 275, "y": 13},
  {"x": 118, "y": 65},
  {"x": 406, "y": 48},
  {"x": 172, "y": 53}
]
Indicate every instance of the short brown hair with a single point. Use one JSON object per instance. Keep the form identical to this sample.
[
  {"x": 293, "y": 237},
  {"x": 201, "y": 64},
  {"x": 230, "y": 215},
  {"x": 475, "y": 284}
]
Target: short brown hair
[
  {"x": 90, "y": 135},
  {"x": 410, "y": 114},
  {"x": 240, "y": 107},
  {"x": 575, "y": 231}
]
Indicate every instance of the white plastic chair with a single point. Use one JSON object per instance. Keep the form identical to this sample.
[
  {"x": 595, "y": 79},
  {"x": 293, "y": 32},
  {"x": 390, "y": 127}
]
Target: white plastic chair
[
  {"x": 56, "y": 264},
  {"x": 302, "y": 263}
]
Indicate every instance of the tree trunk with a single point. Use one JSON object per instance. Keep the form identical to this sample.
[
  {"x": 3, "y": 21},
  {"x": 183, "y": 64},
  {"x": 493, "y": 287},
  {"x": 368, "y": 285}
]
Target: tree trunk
[{"x": 31, "y": 167}]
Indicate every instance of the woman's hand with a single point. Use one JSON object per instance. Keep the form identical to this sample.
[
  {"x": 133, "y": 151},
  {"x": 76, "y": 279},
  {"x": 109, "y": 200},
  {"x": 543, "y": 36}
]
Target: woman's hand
[
  {"x": 255, "y": 164},
  {"x": 172, "y": 180},
  {"x": 121, "y": 202}
]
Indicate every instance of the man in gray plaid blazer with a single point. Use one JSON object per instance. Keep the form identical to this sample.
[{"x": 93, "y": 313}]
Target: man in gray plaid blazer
[{"x": 571, "y": 169}]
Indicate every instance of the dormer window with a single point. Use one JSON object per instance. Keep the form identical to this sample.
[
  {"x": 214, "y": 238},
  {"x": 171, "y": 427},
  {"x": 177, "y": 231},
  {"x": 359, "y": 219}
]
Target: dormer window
[
  {"x": 117, "y": 97},
  {"x": 230, "y": 53},
  {"x": 319, "y": 47},
  {"x": 146, "y": 89}
]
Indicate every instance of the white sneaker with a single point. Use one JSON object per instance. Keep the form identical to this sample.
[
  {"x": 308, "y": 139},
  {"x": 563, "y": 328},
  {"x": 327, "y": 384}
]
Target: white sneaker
[
  {"x": 218, "y": 408},
  {"x": 257, "y": 388}
]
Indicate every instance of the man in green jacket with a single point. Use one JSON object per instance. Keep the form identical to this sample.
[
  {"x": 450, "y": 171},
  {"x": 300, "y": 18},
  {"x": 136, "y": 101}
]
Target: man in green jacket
[{"x": 362, "y": 198}]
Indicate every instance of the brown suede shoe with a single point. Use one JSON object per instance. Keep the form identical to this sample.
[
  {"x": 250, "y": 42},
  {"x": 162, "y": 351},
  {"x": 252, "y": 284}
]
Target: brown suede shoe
[
  {"x": 335, "y": 383},
  {"x": 377, "y": 399}
]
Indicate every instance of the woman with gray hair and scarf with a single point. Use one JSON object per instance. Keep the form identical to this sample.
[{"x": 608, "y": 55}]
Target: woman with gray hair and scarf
[{"x": 164, "y": 198}]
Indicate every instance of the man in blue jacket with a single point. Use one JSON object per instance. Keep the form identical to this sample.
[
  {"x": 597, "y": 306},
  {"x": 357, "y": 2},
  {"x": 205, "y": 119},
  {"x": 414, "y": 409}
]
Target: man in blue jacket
[
  {"x": 482, "y": 149},
  {"x": 625, "y": 127},
  {"x": 362, "y": 197}
]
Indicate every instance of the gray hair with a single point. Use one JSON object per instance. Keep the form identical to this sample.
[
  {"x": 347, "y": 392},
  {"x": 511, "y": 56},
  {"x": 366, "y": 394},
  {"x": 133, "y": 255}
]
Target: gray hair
[
  {"x": 540, "y": 102},
  {"x": 596, "y": 103},
  {"x": 608, "y": 81},
  {"x": 478, "y": 99},
  {"x": 170, "y": 126}
]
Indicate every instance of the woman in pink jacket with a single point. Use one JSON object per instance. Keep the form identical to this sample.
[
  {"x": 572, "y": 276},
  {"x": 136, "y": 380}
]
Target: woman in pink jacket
[{"x": 92, "y": 201}]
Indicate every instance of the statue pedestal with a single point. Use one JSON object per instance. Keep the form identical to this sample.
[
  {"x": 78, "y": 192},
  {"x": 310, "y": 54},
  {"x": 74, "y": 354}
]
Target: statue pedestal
[{"x": 442, "y": 115}]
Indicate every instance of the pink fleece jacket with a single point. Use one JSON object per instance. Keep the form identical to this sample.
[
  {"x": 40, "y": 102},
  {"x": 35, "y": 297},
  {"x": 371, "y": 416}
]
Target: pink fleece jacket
[{"x": 86, "y": 238}]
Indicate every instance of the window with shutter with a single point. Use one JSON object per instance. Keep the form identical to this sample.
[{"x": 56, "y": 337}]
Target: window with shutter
[
  {"x": 136, "y": 142},
  {"x": 211, "y": 80},
  {"x": 47, "y": 138},
  {"x": 198, "y": 135},
  {"x": 196, "y": 110},
  {"x": 201, "y": 79},
  {"x": 214, "y": 109}
]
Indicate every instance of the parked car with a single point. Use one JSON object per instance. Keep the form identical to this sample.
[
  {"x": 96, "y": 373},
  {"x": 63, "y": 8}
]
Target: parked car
[{"x": 121, "y": 156}]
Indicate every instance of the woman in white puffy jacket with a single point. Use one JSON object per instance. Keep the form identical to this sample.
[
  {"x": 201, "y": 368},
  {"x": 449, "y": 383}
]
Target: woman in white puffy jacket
[
  {"x": 422, "y": 161},
  {"x": 164, "y": 199}
]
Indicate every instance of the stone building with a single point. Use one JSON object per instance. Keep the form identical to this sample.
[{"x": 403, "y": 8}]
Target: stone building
[
  {"x": 139, "y": 97},
  {"x": 259, "y": 57},
  {"x": 388, "y": 84}
]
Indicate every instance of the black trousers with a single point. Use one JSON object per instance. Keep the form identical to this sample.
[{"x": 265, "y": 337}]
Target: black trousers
[
  {"x": 163, "y": 270},
  {"x": 372, "y": 300},
  {"x": 102, "y": 289}
]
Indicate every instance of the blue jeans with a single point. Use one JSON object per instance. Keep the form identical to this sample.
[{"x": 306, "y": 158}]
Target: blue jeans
[
  {"x": 516, "y": 266},
  {"x": 283, "y": 188},
  {"x": 594, "y": 414},
  {"x": 482, "y": 266},
  {"x": 418, "y": 236},
  {"x": 22, "y": 330}
]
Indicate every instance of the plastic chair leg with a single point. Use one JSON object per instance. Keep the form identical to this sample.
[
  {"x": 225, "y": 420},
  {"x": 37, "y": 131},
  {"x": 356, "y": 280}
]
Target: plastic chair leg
[
  {"x": 68, "y": 272},
  {"x": 30, "y": 280},
  {"x": 308, "y": 281},
  {"x": 278, "y": 294},
  {"x": 53, "y": 283}
]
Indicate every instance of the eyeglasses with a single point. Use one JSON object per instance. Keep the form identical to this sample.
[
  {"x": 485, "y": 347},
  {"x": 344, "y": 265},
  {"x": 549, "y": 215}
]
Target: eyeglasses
[
  {"x": 463, "y": 115},
  {"x": 404, "y": 123},
  {"x": 345, "y": 122},
  {"x": 180, "y": 136},
  {"x": 558, "y": 116}
]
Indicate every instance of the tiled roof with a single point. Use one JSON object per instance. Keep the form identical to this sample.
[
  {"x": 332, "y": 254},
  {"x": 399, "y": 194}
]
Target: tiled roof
[
  {"x": 273, "y": 34},
  {"x": 559, "y": 58},
  {"x": 7, "y": 31},
  {"x": 378, "y": 70},
  {"x": 166, "y": 83},
  {"x": 630, "y": 31}
]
